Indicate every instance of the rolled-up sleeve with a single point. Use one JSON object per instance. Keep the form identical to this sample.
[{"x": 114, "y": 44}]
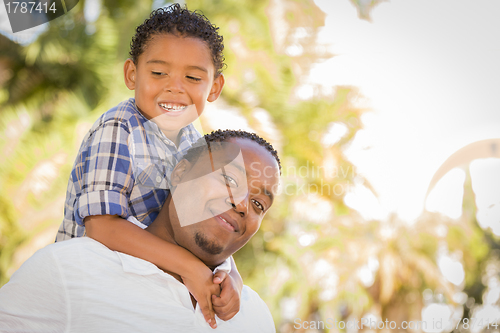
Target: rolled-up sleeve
[{"x": 102, "y": 175}]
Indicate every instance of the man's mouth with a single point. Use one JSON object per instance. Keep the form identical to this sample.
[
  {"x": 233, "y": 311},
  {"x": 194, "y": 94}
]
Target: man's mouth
[
  {"x": 225, "y": 224},
  {"x": 172, "y": 107}
]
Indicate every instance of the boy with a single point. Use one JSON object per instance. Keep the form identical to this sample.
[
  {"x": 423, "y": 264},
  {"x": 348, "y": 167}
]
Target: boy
[{"x": 120, "y": 170}]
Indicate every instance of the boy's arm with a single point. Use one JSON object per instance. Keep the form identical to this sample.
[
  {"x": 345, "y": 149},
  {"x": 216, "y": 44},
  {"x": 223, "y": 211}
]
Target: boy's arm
[
  {"x": 120, "y": 235},
  {"x": 227, "y": 305}
]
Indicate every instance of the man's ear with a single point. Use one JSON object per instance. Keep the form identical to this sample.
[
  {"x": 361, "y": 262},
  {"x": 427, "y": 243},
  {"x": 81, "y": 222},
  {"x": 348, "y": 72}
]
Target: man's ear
[
  {"x": 179, "y": 170},
  {"x": 130, "y": 73},
  {"x": 216, "y": 88}
]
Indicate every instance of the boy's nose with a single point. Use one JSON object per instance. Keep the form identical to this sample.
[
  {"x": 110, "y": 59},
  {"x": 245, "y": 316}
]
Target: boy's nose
[{"x": 174, "y": 85}]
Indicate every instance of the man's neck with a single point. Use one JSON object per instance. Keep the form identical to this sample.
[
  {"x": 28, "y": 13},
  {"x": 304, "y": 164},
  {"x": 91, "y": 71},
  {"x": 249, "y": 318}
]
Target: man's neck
[{"x": 161, "y": 226}]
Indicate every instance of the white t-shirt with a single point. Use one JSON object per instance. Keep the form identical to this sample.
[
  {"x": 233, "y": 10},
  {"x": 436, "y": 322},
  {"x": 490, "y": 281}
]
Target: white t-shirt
[{"x": 80, "y": 285}]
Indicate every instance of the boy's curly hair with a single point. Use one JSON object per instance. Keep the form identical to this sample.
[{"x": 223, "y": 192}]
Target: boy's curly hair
[
  {"x": 208, "y": 140},
  {"x": 177, "y": 20}
]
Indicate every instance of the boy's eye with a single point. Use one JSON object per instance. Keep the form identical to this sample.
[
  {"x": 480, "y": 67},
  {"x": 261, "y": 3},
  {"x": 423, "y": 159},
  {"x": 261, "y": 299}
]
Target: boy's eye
[
  {"x": 258, "y": 204},
  {"x": 230, "y": 181},
  {"x": 192, "y": 78},
  {"x": 158, "y": 73}
]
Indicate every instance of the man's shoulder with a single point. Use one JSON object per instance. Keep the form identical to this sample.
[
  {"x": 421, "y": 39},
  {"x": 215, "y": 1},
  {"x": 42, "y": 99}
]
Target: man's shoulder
[
  {"x": 252, "y": 298},
  {"x": 252, "y": 306},
  {"x": 71, "y": 249},
  {"x": 63, "y": 255}
]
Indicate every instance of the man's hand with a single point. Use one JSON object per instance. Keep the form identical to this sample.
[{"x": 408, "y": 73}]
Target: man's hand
[
  {"x": 227, "y": 305},
  {"x": 202, "y": 288}
]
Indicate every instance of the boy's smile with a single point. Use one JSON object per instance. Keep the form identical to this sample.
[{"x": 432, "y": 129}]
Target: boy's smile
[{"x": 173, "y": 79}]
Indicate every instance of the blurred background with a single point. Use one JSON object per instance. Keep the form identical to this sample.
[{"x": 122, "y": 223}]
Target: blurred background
[{"x": 386, "y": 117}]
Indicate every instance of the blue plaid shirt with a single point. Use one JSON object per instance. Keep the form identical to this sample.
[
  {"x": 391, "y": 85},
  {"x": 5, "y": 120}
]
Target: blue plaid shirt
[{"x": 122, "y": 168}]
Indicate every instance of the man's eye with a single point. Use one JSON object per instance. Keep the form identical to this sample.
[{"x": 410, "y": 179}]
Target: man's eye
[
  {"x": 158, "y": 73},
  {"x": 230, "y": 181},
  {"x": 192, "y": 78},
  {"x": 258, "y": 204}
]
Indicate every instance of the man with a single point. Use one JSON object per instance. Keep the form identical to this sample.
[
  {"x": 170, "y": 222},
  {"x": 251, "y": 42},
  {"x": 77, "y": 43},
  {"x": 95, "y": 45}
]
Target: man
[{"x": 80, "y": 285}]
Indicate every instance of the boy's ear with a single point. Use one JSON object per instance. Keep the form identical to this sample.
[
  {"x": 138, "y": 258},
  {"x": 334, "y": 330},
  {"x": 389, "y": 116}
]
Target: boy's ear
[
  {"x": 179, "y": 170},
  {"x": 216, "y": 88},
  {"x": 129, "y": 72}
]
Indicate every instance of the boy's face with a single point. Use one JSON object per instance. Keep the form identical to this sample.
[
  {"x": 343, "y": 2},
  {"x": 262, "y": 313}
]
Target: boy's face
[{"x": 173, "y": 78}]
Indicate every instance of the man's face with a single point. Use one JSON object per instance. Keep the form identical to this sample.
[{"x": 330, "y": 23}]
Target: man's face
[
  {"x": 173, "y": 79},
  {"x": 228, "y": 194}
]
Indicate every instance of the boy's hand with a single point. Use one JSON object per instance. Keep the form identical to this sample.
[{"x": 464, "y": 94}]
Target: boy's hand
[
  {"x": 227, "y": 305},
  {"x": 202, "y": 288}
]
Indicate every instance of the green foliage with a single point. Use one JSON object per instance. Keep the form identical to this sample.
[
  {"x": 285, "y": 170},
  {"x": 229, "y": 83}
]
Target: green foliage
[{"x": 10, "y": 238}]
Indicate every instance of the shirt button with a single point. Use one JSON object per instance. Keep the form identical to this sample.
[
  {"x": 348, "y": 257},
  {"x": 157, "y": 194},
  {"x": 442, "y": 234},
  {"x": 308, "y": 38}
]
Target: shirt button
[{"x": 158, "y": 179}]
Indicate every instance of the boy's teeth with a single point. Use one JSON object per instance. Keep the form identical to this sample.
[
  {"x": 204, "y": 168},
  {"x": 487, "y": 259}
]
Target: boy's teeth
[{"x": 172, "y": 107}]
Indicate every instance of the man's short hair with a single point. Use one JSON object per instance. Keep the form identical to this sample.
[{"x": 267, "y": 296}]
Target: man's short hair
[{"x": 211, "y": 142}]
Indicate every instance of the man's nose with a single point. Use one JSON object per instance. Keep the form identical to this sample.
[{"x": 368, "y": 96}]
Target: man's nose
[{"x": 240, "y": 205}]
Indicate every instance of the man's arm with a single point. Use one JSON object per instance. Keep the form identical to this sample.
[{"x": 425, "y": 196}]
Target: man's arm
[
  {"x": 35, "y": 300},
  {"x": 121, "y": 235}
]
